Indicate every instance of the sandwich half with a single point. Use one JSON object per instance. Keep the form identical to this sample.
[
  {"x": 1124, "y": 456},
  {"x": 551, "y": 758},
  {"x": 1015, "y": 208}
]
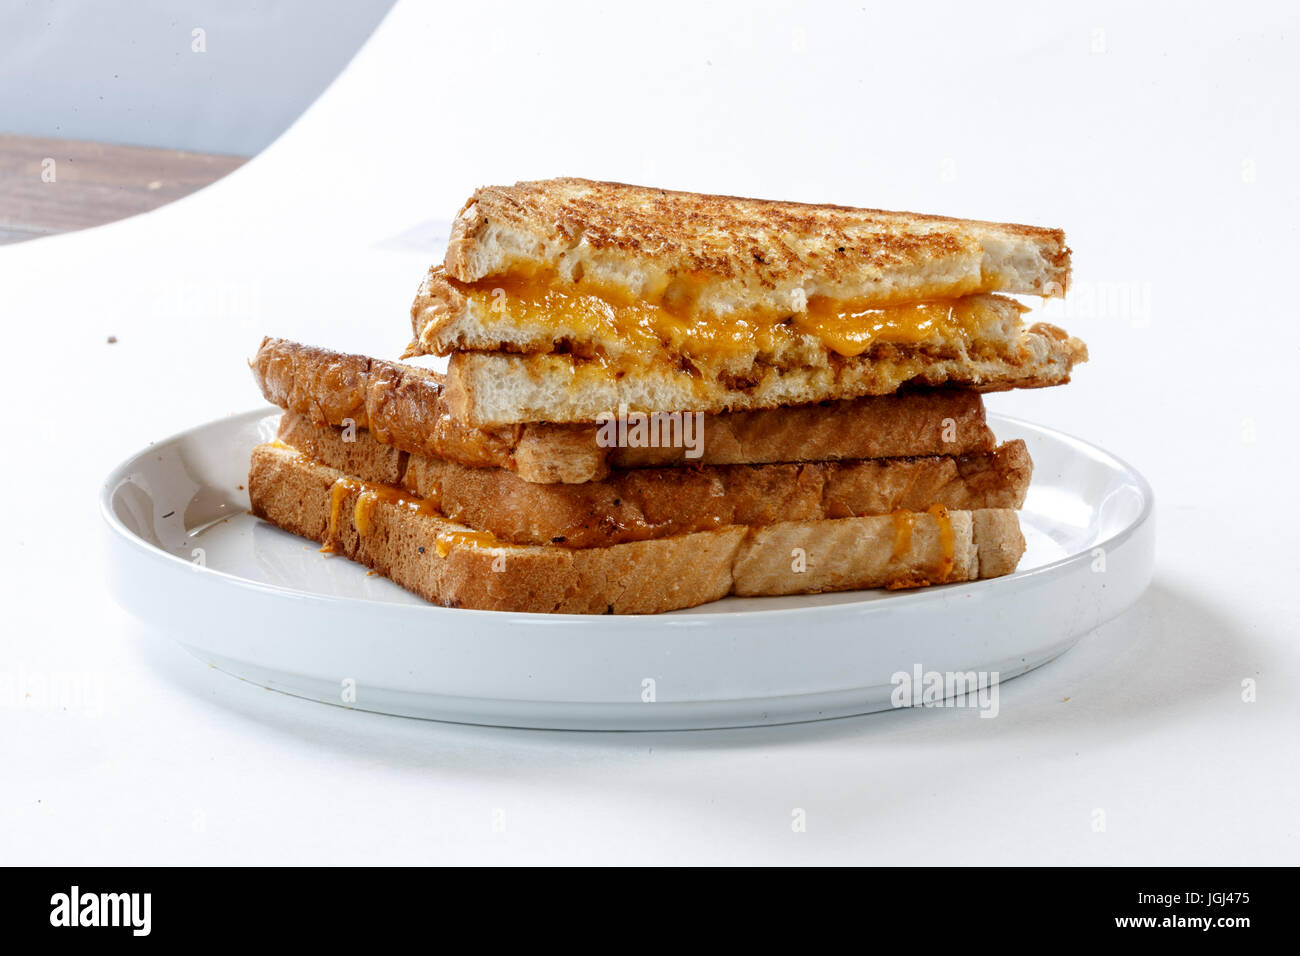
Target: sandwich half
[
  {"x": 643, "y": 503},
  {"x": 408, "y": 539},
  {"x": 561, "y": 299}
]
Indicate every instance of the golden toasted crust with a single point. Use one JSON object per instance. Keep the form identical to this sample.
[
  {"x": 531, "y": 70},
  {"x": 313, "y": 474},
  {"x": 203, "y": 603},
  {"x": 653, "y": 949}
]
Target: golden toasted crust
[
  {"x": 644, "y": 577},
  {"x": 748, "y": 250},
  {"x": 491, "y": 389},
  {"x": 310, "y": 499},
  {"x": 646, "y": 503},
  {"x": 401, "y": 405},
  {"x": 943, "y": 421},
  {"x": 407, "y": 407},
  {"x": 353, "y": 451},
  {"x": 654, "y": 503}
]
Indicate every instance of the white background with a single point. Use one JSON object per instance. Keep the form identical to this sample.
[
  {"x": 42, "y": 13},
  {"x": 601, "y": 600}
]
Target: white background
[
  {"x": 137, "y": 73},
  {"x": 1164, "y": 142}
]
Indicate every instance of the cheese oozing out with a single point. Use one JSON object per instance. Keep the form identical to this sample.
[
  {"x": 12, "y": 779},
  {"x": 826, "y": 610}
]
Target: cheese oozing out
[{"x": 672, "y": 319}]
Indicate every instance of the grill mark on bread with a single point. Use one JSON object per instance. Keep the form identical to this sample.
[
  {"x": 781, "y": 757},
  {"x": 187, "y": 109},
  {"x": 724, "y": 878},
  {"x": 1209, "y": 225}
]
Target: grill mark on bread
[
  {"x": 763, "y": 244},
  {"x": 609, "y": 222}
]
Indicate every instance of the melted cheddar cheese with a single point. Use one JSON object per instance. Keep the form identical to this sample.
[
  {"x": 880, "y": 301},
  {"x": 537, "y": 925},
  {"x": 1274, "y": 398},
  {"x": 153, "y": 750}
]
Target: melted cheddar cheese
[
  {"x": 473, "y": 539},
  {"x": 947, "y": 542},
  {"x": 903, "y": 522},
  {"x": 368, "y": 495},
  {"x": 672, "y": 318}
]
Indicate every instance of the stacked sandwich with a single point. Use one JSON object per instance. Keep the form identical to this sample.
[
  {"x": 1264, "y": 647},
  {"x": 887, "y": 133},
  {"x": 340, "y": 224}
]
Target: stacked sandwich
[{"x": 655, "y": 399}]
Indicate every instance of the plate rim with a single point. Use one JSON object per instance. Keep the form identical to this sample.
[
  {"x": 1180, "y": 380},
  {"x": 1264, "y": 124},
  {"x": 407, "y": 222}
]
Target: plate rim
[{"x": 680, "y": 618}]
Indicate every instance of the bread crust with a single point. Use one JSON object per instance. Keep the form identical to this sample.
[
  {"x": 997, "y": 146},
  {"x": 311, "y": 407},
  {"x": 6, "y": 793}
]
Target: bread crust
[
  {"x": 407, "y": 407},
  {"x": 639, "y": 504},
  {"x": 749, "y": 252},
  {"x": 310, "y": 499}
]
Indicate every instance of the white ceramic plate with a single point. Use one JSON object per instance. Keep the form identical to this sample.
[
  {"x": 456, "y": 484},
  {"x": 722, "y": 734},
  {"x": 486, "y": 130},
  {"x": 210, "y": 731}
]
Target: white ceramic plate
[{"x": 264, "y": 605}]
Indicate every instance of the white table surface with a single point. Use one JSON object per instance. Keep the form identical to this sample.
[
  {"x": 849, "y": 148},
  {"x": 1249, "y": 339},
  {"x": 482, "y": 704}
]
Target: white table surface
[{"x": 1165, "y": 143}]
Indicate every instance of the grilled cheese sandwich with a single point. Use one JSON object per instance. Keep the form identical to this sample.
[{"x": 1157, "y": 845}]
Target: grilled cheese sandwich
[
  {"x": 666, "y": 301},
  {"x": 829, "y": 360}
]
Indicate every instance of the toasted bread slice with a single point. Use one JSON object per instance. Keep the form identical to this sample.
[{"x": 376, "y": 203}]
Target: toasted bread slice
[
  {"x": 408, "y": 541},
  {"x": 744, "y": 255},
  {"x": 917, "y": 423},
  {"x": 491, "y": 389},
  {"x": 639, "y": 504},
  {"x": 408, "y": 408},
  {"x": 401, "y": 404},
  {"x": 452, "y": 565}
]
